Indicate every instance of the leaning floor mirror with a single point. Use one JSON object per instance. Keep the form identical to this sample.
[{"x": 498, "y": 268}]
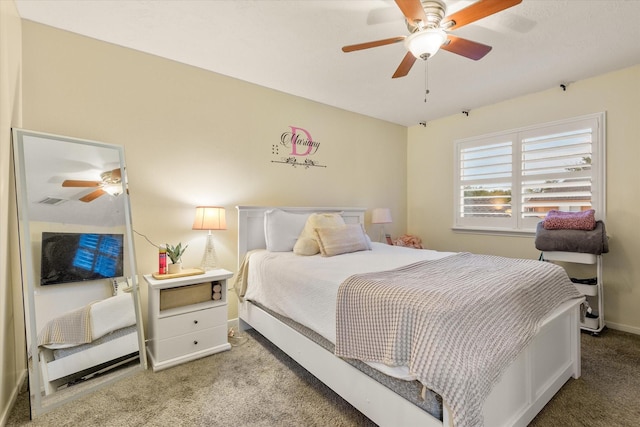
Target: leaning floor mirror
[{"x": 81, "y": 299}]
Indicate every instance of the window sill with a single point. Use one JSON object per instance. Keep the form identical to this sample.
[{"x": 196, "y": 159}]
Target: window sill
[{"x": 494, "y": 231}]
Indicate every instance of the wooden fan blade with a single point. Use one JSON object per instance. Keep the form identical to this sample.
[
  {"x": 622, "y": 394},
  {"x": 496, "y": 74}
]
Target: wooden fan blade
[
  {"x": 478, "y": 10},
  {"x": 80, "y": 183},
  {"x": 93, "y": 195},
  {"x": 405, "y": 65},
  {"x": 467, "y": 48},
  {"x": 412, "y": 10},
  {"x": 368, "y": 45}
]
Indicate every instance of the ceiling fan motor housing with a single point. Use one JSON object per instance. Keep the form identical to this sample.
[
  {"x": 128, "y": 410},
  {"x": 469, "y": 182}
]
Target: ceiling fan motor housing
[
  {"x": 435, "y": 11},
  {"x": 111, "y": 177}
]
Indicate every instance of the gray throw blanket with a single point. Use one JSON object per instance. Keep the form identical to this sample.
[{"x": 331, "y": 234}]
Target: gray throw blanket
[
  {"x": 583, "y": 241},
  {"x": 456, "y": 322}
]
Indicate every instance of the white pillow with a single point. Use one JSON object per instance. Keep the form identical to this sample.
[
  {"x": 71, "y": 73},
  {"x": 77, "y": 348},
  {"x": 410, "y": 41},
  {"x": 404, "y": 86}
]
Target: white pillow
[
  {"x": 307, "y": 243},
  {"x": 281, "y": 229},
  {"x": 342, "y": 239}
]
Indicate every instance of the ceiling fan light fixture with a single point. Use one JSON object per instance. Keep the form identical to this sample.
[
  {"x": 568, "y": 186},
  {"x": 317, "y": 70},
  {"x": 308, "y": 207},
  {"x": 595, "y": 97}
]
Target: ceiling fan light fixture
[
  {"x": 113, "y": 189},
  {"x": 425, "y": 43}
]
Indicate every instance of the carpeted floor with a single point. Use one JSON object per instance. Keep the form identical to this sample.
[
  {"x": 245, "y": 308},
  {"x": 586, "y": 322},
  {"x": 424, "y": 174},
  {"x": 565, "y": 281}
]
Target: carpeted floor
[{"x": 255, "y": 384}]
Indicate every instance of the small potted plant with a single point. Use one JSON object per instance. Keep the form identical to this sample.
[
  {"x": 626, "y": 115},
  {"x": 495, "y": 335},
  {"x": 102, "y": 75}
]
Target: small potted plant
[{"x": 175, "y": 255}]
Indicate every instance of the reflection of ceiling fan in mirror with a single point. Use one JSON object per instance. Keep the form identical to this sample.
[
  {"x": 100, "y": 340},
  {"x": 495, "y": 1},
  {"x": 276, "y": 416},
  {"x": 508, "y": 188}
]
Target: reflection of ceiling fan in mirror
[
  {"x": 428, "y": 24},
  {"x": 110, "y": 183}
]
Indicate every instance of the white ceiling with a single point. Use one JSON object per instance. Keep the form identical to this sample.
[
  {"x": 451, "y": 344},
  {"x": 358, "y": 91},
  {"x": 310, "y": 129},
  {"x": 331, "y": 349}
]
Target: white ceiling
[
  {"x": 294, "y": 47},
  {"x": 48, "y": 161}
]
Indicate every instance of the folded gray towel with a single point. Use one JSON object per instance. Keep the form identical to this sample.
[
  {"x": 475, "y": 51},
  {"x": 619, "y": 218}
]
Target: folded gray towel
[{"x": 583, "y": 241}]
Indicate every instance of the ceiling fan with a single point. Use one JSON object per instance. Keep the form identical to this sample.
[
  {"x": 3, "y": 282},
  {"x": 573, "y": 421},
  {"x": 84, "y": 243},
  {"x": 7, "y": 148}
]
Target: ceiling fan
[
  {"x": 110, "y": 183},
  {"x": 428, "y": 24}
]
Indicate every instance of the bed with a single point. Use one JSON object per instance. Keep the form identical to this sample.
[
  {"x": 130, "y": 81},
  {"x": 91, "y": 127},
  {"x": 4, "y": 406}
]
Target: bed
[
  {"x": 529, "y": 380},
  {"x": 93, "y": 339}
]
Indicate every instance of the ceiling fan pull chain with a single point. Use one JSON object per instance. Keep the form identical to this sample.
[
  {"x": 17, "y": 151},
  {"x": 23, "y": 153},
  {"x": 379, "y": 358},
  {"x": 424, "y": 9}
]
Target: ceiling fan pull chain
[{"x": 426, "y": 79}]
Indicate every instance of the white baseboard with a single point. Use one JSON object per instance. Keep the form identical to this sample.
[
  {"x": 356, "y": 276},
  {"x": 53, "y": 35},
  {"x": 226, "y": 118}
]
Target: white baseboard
[
  {"x": 622, "y": 327},
  {"x": 12, "y": 400}
]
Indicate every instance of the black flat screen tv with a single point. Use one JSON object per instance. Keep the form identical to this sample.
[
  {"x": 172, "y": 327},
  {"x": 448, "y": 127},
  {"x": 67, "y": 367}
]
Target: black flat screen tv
[{"x": 77, "y": 257}]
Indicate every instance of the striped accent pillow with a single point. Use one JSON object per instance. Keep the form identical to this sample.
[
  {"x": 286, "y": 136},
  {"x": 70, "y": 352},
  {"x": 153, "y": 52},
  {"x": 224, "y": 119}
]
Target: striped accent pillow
[{"x": 342, "y": 239}]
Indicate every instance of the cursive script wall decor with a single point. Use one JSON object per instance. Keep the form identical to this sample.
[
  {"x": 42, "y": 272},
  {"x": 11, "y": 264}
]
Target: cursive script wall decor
[{"x": 296, "y": 147}]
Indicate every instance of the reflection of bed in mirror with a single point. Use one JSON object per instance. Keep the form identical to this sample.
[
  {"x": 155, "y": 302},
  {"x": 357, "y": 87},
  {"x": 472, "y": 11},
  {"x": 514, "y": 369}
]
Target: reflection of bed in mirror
[{"x": 88, "y": 341}]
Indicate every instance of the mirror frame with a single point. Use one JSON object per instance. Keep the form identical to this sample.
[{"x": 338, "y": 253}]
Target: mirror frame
[{"x": 41, "y": 404}]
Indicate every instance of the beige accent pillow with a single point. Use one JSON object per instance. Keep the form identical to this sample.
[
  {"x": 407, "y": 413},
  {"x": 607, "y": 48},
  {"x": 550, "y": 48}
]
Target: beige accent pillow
[
  {"x": 341, "y": 240},
  {"x": 307, "y": 243}
]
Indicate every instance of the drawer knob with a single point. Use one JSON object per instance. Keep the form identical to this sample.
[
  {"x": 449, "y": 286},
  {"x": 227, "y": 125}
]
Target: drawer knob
[
  {"x": 195, "y": 343},
  {"x": 195, "y": 321}
]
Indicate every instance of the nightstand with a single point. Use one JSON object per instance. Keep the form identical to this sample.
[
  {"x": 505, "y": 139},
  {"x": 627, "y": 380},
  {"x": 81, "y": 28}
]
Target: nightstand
[{"x": 187, "y": 317}]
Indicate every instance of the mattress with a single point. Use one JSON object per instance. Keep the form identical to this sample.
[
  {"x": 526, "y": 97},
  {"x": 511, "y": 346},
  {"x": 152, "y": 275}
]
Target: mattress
[
  {"x": 304, "y": 289},
  {"x": 64, "y": 352}
]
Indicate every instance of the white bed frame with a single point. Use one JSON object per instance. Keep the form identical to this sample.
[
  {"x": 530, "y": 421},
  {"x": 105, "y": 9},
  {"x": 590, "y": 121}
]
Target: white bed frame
[
  {"x": 56, "y": 372},
  {"x": 528, "y": 384}
]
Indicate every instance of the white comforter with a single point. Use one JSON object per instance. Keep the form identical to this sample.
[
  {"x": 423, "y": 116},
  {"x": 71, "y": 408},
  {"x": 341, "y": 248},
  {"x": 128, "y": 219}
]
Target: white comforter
[
  {"x": 111, "y": 314},
  {"x": 105, "y": 316},
  {"x": 305, "y": 288}
]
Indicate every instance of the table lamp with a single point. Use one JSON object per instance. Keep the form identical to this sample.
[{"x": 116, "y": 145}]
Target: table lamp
[
  {"x": 209, "y": 218},
  {"x": 381, "y": 216}
]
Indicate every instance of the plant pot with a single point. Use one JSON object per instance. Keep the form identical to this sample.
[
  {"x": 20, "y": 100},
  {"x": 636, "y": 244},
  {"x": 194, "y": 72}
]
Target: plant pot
[{"x": 175, "y": 268}]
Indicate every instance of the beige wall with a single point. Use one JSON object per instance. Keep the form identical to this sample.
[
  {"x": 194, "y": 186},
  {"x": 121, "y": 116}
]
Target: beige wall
[
  {"x": 12, "y": 349},
  {"x": 430, "y": 178},
  {"x": 194, "y": 137}
]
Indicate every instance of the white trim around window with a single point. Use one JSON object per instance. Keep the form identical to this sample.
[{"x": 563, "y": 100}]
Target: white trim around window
[{"x": 506, "y": 182}]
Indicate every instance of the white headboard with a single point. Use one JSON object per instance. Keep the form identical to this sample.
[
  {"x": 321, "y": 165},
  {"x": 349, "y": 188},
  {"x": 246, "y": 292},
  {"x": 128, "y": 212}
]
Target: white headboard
[{"x": 251, "y": 223}]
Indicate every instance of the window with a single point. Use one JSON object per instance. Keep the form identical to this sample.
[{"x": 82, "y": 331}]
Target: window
[{"x": 507, "y": 182}]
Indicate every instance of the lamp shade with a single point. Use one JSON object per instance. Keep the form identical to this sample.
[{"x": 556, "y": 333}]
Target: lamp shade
[
  {"x": 424, "y": 44},
  {"x": 381, "y": 216},
  {"x": 210, "y": 218}
]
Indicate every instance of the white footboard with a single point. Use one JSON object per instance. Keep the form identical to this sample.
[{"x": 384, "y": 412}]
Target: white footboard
[
  {"x": 528, "y": 384},
  {"x": 539, "y": 371}
]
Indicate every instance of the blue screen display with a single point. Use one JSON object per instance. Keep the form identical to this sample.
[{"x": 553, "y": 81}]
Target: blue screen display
[{"x": 75, "y": 257}]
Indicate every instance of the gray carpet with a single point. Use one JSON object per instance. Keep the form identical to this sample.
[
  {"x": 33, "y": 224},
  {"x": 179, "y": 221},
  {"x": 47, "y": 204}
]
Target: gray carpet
[{"x": 255, "y": 384}]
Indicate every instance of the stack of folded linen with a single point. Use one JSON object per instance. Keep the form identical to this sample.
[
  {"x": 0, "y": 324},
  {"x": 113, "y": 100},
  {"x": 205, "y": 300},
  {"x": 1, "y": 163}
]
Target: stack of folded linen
[{"x": 572, "y": 232}]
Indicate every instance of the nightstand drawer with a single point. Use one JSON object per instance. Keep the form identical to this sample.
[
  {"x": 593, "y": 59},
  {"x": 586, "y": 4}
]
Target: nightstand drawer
[
  {"x": 190, "y": 343},
  {"x": 191, "y": 322}
]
